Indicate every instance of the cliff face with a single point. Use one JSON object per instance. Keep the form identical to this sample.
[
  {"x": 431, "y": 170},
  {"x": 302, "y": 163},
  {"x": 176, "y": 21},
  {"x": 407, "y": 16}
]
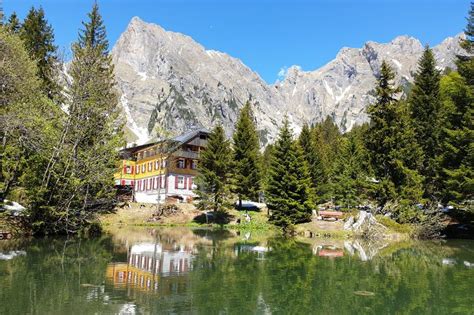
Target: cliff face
[{"x": 169, "y": 81}]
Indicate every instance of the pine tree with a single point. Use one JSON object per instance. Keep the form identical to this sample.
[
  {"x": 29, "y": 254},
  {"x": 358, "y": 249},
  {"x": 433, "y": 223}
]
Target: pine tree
[
  {"x": 326, "y": 139},
  {"x": 310, "y": 154},
  {"x": 214, "y": 168},
  {"x": 247, "y": 158},
  {"x": 94, "y": 33},
  {"x": 288, "y": 192},
  {"x": 266, "y": 164},
  {"x": 352, "y": 169},
  {"x": 38, "y": 38},
  {"x": 390, "y": 141},
  {"x": 13, "y": 24},
  {"x": 457, "y": 159},
  {"x": 458, "y": 135},
  {"x": 465, "y": 62},
  {"x": 78, "y": 179},
  {"x": 425, "y": 117}
]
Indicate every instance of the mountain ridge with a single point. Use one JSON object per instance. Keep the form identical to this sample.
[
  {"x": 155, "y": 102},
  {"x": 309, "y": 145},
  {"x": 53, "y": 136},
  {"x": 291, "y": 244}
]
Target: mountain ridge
[{"x": 168, "y": 81}]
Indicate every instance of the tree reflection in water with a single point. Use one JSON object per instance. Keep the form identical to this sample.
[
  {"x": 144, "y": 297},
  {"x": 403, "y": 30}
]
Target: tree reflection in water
[{"x": 178, "y": 270}]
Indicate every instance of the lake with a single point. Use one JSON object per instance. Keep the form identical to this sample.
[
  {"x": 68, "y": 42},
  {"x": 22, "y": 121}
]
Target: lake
[{"x": 196, "y": 271}]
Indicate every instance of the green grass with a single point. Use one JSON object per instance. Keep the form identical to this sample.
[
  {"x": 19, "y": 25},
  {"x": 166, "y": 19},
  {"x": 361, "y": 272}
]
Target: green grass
[{"x": 393, "y": 225}]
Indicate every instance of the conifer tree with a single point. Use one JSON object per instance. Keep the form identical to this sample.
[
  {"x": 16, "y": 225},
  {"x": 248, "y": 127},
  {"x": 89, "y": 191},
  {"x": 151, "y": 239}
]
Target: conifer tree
[
  {"x": 310, "y": 154},
  {"x": 288, "y": 192},
  {"x": 247, "y": 157},
  {"x": 78, "y": 179},
  {"x": 13, "y": 24},
  {"x": 214, "y": 177},
  {"x": 457, "y": 159},
  {"x": 326, "y": 139},
  {"x": 38, "y": 38},
  {"x": 457, "y": 94},
  {"x": 352, "y": 169},
  {"x": 390, "y": 141},
  {"x": 465, "y": 62},
  {"x": 266, "y": 163},
  {"x": 425, "y": 117}
]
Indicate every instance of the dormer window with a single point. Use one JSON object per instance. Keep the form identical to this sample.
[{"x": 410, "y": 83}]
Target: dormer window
[{"x": 181, "y": 163}]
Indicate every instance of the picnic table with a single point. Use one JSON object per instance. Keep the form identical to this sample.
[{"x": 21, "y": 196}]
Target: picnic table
[{"x": 330, "y": 214}]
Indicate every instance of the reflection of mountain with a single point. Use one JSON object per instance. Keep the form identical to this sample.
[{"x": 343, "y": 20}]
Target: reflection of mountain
[{"x": 148, "y": 263}]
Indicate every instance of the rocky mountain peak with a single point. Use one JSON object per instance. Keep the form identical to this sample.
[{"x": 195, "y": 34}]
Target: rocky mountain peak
[{"x": 169, "y": 81}]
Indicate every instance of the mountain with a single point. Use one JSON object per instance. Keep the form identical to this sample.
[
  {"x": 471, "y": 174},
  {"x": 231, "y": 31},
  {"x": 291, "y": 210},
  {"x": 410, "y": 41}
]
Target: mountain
[{"x": 167, "y": 81}]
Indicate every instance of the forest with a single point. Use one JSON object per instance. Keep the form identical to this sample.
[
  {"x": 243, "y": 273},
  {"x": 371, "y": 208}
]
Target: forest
[{"x": 61, "y": 129}]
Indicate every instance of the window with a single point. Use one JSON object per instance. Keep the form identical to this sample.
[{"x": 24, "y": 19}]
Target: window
[
  {"x": 143, "y": 167},
  {"x": 194, "y": 164},
  {"x": 180, "y": 182},
  {"x": 150, "y": 166},
  {"x": 137, "y": 169},
  {"x": 143, "y": 185},
  {"x": 128, "y": 169},
  {"x": 157, "y": 165},
  {"x": 181, "y": 163}
]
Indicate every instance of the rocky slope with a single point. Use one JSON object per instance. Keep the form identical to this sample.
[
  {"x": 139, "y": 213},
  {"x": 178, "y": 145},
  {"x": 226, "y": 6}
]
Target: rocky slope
[{"x": 168, "y": 81}]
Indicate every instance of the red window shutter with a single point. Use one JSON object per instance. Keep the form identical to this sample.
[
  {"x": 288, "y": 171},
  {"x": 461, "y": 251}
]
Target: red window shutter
[
  {"x": 176, "y": 182},
  {"x": 185, "y": 183},
  {"x": 190, "y": 183}
]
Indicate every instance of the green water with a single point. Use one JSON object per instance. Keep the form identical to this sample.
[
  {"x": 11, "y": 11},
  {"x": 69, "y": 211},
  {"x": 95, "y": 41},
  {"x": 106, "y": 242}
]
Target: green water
[{"x": 184, "y": 271}]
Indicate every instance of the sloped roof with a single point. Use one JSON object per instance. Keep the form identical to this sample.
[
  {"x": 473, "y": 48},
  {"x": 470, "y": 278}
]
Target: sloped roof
[
  {"x": 180, "y": 139},
  {"x": 185, "y": 137}
]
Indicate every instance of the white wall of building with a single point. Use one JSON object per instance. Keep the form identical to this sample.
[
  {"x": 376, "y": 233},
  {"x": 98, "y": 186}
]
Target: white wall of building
[{"x": 147, "y": 191}]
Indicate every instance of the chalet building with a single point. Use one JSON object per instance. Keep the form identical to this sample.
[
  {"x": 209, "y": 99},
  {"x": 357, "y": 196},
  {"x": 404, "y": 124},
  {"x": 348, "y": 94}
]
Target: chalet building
[{"x": 162, "y": 170}]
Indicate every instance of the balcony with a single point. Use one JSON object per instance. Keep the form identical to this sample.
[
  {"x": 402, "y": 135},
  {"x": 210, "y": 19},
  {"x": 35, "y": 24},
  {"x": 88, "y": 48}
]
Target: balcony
[{"x": 186, "y": 154}]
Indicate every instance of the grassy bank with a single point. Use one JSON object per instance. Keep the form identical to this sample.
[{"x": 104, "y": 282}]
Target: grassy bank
[
  {"x": 186, "y": 216},
  {"x": 138, "y": 215}
]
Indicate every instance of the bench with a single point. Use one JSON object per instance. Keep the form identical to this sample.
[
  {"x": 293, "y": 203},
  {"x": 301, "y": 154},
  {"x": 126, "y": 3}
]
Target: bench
[{"x": 330, "y": 214}]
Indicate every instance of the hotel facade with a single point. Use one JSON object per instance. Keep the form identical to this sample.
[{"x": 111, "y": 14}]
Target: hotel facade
[{"x": 162, "y": 170}]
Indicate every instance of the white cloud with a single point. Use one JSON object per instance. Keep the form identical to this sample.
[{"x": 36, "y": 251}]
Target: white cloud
[{"x": 282, "y": 73}]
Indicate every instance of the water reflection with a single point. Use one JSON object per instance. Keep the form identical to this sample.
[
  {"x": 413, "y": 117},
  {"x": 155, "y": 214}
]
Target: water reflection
[{"x": 178, "y": 270}]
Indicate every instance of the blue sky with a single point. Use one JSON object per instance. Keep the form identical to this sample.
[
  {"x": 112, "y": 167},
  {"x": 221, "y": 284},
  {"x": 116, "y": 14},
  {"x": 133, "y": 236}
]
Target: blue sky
[{"x": 267, "y": 35}]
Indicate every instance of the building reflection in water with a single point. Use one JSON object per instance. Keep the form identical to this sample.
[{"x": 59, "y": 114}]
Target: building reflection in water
[{"x": 150, "y": 265}]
